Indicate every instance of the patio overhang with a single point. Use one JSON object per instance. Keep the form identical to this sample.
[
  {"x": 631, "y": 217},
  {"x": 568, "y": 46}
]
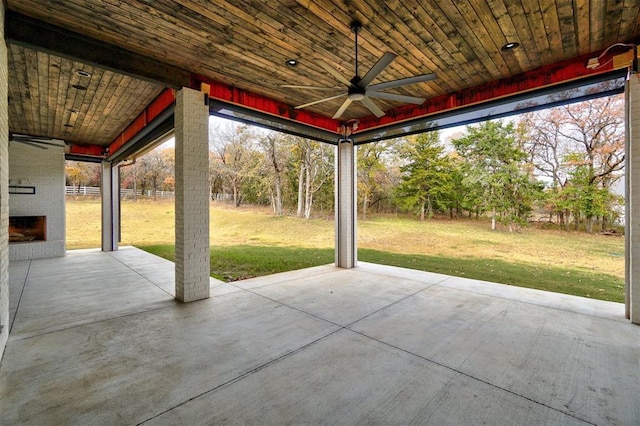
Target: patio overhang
[{"x": 565, "y": 81}]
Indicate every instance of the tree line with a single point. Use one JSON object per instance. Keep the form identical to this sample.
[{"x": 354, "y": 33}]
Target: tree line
[{"x": 559, "y": 165}]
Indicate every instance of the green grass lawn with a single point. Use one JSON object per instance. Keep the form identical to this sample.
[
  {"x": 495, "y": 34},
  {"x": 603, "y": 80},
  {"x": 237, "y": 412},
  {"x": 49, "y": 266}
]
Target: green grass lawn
[{"x": 250, "y": 242}]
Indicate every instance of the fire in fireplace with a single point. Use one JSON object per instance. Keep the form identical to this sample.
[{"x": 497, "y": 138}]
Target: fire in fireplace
[{"x": 27, "y": 228}]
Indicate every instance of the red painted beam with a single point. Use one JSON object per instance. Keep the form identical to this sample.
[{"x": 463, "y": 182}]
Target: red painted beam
[
  {"x": 88, "y": 150},
  {"x": 561, "y": 72},
  {"x": 253, "y": 101},
  {"x": 159, "y": 104}
]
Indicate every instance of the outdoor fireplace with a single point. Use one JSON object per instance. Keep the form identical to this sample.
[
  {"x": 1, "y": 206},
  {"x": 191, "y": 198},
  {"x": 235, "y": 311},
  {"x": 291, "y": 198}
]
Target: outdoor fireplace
[{"x": 27, "y": 228}]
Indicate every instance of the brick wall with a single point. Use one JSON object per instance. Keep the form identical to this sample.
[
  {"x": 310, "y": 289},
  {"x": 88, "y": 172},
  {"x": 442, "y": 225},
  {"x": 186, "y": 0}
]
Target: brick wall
[
  {"x": 4, "y": 190},
  {"x": 44, "y": 170}
]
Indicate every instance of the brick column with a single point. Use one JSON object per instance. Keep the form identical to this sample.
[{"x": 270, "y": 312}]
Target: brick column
[
  {"x": 110, "y": 190},
  {"x": 346, "y": 209},
  {"x": 192, "y": 196},
  {"x": 632, "y": 205},
  {"x": 4, "y": 188}
]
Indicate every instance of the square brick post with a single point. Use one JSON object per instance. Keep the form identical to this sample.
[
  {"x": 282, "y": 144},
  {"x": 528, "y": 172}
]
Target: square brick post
[
  {"x": 632, "y": 205},
  {"x": 110, "y": 190},
  {"x": 346, "y": 209},
  {"x": 192, "y": 195}
]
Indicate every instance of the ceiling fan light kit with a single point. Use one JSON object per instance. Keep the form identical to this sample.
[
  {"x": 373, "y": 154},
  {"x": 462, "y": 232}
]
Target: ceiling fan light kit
[{"x": 360, "y": 89}]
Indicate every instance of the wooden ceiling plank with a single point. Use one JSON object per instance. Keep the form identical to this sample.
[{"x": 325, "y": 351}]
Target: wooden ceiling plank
[
  {"x": 369, "y": 53},
  {"x": 32, "y": 93},
  {"x": 289, "y": 44},
  {"x": 43, "y": 87},
  {"x": 17, "y": 123},
  {"x": 53, "y": 74},
  {"x": 532, "y": 10},
  {"x": 552, "y": 27},
  {"x": 614, "y": 9},
  {"x": 567, "y": 22},
  {"x": 583, "y": 37},
  {"x": 448, "y": 18},
  {"x": 479, "y": 17},
  {"x": 137, "y": 98},
  {"x": 64, "y": 79},
  {"x": 629, "y": 21},
  {"x": 597, "y": 18},
  {"x": 438, "y": 26},
  {"x": 84, "y": 123},
  {"x": 370, "y": 45},
  {"x": 525, "y": 36},
  {"x": 345, "y": 47},
  {"x": 111, "y": 102},
  {"x": 395, "y": 39},
  {"x": 40, "y": 35},
  {"x": 256, "y": 66},
  {"x": 506, "y": 24}
]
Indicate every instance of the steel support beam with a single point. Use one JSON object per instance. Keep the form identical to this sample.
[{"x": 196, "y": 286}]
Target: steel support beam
[
  {"x": 110, "y": 187},
  {"x": 632, "y": 205},
  {"x": 42, "y": 36},
  {"x": 345, "y": 205}
]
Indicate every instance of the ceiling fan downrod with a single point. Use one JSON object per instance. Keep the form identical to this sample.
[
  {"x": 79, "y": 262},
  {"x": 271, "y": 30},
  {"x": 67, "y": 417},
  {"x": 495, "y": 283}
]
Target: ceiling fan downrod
[{"x": 356, "y": 26}]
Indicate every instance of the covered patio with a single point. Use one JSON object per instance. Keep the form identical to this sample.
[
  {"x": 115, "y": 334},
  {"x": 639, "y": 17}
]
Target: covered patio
[
  {"x": 367, "y": 345},
  {"x": 101, "y": 336}
]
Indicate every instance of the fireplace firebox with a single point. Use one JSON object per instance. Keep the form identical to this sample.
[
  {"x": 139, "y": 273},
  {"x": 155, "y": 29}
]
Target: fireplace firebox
[{"x": 27, "y": 228}]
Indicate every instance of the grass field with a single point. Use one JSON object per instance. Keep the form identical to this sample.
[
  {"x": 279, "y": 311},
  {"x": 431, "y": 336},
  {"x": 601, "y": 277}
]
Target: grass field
[{"x": 250, "y": 242}]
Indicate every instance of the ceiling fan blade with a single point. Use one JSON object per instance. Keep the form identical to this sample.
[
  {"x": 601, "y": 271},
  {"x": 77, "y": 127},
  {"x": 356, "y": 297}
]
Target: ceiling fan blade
[
  {"x": 320, "y": 100},
  {"x": 395, "y": 97},
  {"x": 377, "y": 68},
  {"x": 372, "y": 107},
  {"x": 404, "y": 81},
  {"x": 334, "y": 72},
  {"x": 293, "y": 86},
  {"x": 342, "y": 109}
]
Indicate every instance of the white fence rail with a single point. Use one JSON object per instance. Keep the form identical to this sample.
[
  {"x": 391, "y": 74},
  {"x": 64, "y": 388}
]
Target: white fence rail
[{"x": 94, "y": 191}]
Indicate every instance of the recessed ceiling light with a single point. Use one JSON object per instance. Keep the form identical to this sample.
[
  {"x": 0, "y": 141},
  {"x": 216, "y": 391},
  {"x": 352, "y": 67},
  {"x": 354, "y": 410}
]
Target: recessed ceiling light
[
  {"x": 291, "y": 62},
  {"x": 77, "y": 86},
  {"x": 510, "y": 46},
  {"x": 83, "y": 73}
]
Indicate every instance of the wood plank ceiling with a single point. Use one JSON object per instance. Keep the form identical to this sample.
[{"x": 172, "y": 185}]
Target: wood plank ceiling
[{"x": 245, "y": 44}]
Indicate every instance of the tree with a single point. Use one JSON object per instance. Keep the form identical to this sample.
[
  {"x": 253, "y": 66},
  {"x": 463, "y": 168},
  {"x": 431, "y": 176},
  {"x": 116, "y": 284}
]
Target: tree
[
  {"x": 276, "y": 149},
  {"x": 155, "y": 167},
  {"x": 315, "y": 167},
  {"x": 495, "y": 169},
  {"x": 79, "y": 173},
  {"x": 235, "y": 163},
  {"x": 583, "y": 142},
  {"x": 374, "y": 181},
  {"x": 426, "y": 175}
]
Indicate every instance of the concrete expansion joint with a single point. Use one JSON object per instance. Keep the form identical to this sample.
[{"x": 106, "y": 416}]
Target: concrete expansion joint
[
  {"x": 462, "y": 373},
  {"x": 245, "y": 374}
]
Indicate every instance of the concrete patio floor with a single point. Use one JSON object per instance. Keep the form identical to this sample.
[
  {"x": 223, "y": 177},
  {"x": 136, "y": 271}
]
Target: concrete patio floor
[{"x": 97, "y": 338}]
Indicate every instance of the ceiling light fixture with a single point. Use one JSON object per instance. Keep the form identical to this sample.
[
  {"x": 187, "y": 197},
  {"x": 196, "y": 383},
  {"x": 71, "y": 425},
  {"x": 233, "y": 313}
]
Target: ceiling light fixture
[
  {"x": 509, "y": 46},
  {"x": 77, "y": 86},
  {"x": 83, "y": 73},
  {"x": 291, "y": 62}
]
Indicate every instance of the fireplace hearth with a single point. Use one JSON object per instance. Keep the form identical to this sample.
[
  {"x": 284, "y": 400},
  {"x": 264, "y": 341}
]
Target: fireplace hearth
[{"x": 27, "y": 228}]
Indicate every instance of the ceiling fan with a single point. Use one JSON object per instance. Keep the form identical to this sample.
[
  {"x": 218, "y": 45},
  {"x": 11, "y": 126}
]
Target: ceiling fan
[
  {"x": 360, "y": 88},
  {"x": 35, "y": 141}
]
